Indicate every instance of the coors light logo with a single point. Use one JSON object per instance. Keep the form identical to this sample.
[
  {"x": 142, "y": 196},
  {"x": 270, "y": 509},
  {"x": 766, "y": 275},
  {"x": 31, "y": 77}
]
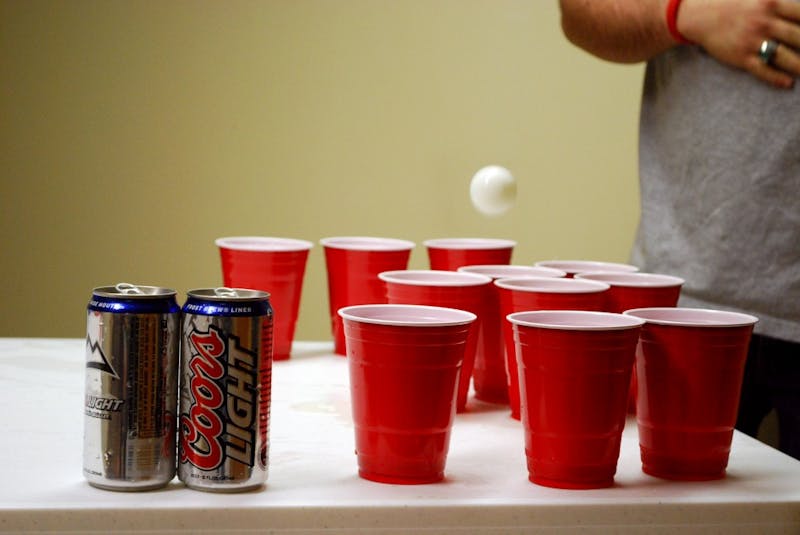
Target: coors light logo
[{"x": 221, "y": 382}]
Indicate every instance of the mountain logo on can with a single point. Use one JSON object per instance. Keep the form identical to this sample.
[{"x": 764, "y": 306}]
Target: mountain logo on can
[{"x": 97, "y": 359}]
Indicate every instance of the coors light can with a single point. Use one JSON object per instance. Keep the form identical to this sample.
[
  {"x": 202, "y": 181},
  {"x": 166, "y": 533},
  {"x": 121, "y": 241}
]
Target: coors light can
[
  {"x": 226, "y": 380},
  {"x": 131, "y": 387}
]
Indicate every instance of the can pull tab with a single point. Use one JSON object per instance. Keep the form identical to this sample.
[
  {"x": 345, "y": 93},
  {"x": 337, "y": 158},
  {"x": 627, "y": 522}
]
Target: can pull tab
[
  {"x": 127, "y": 288},
  {"x": 222, "y": 291}
]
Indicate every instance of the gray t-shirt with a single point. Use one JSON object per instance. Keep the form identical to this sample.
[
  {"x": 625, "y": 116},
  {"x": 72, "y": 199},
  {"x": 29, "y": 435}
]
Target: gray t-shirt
[{"x": 719, "y": 165}]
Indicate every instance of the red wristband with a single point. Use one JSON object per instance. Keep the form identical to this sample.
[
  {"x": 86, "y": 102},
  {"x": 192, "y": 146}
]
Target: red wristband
[{"x": 672, "y": 22}]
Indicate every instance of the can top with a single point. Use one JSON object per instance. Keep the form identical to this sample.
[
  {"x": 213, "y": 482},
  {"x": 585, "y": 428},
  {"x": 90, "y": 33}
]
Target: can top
[
  {"x": 124, "y": 298},
  {"x": 228, "y": 294},
  {"x": 133, "y": 291},
  {"x": 227, "y": 302}
]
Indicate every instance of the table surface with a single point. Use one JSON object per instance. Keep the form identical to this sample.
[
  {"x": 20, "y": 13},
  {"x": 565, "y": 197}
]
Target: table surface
[{"x": 313, "y": 486}]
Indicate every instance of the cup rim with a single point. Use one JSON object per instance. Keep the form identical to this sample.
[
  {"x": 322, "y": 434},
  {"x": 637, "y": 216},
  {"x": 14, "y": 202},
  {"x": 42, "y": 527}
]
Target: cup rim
[
  {"x": 552, "y": 285},
  {"x": 436, "y": 277},
  {"x": 575, "y": 320},
  {"x": 505, "y": 271},
  {"x": 580, "y": 266},
  {"x": 692, "y": 317},
  {"x": 262, "y": 244},
  {"x": 406, "y": 315},
  {"x": 366, "y": 243},
  {"x": 632, "y": 279},
  {"x": 469, "y": 243}
]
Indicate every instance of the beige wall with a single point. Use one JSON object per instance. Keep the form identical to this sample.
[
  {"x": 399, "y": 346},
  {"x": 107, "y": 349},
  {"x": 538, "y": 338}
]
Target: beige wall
[{"x": 134, "y": 133}]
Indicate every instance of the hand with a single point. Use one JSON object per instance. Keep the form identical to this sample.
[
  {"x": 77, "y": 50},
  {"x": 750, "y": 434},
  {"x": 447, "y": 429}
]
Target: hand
[{"x": 732, "y": 32}]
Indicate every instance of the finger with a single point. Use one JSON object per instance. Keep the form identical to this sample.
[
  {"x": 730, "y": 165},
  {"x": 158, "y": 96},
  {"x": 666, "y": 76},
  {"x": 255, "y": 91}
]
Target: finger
[
  {"x": 786, "y": 32},
  {"x": 769, "y": 74},
  {"x": 788, "y": 9},
  {"x": 786, "y": 60}
]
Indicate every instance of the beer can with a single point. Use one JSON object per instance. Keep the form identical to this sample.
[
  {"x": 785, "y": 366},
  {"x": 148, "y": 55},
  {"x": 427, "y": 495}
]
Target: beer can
[
  {"x": 226, "y": 381},
  {"x": 131, "y": 399}
]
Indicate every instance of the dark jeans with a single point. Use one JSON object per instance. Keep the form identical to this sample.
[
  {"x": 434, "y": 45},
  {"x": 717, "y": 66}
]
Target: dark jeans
[{"x": 772, "y": 381}]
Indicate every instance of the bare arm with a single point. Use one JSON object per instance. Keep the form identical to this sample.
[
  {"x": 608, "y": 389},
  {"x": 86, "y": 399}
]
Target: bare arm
[
  {"x": 629, "y": 31},
  {"x": 623, "y": 31}
]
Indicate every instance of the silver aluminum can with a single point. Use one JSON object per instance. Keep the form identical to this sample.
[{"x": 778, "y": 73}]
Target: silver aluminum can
[
  {"x": 226, "y": 382},
  {"x": 130, "y": 406}
]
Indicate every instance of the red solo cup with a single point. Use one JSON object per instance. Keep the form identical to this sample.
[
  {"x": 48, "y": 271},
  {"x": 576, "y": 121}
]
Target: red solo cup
[
  {"x": 637, "y": 290},
  {"x": 541, "y": 293},
  {"x": 404, "y": 363},
  {"x": 464, "y": 291},
  {"x": 573, "y": 267},
  {"x": 489, "y": 377},
  {"x": 575, "y": 367},
  {"x": 690, "y": 364},
  {"x": 273, "y": 265},
  {"x": 452, "y": 253},
  {"x": 353, "y": 264}
]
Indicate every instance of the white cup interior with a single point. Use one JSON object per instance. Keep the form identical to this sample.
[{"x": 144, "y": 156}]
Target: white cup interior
[
  {"x": 633, "y": 280},
  {"x": 692, "y": 317},
  {"x": 575, "y": 320},
  {"x": 501, "y": 271},
  {"x": 262, "y": 243},
  {"x": 407, "y": 315},
  {"x": 552, "y": 285},
  {"x": 579, "y": 266},
  {"x": 367, "y": 243}
]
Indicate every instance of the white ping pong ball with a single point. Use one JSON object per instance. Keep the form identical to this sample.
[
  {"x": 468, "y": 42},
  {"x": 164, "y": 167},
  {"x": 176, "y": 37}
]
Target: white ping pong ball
[{"x": 493, "y": 190}]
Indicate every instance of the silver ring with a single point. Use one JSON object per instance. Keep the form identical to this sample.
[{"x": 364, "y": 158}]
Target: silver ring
[{"x": 767, "y": 51}]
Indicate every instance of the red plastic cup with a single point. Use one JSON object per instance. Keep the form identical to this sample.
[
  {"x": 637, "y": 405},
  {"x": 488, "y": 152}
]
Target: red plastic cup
[
  {"x": 489, "y": 376},
  {"x": 353, "y": 264},
  {"x": 690, "y": 364},
  {"x": 541, "y": 293},
  {"x": 452, "y": 253},
  {"x": 573, "y": 267},
  {"x": 273, "y": 265},
  {"x": 404, "y": 362},
  {"x": 575, "y": 368},
  {"x": 463, "y": 291},
  {"x": 636, "y": 290}
]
